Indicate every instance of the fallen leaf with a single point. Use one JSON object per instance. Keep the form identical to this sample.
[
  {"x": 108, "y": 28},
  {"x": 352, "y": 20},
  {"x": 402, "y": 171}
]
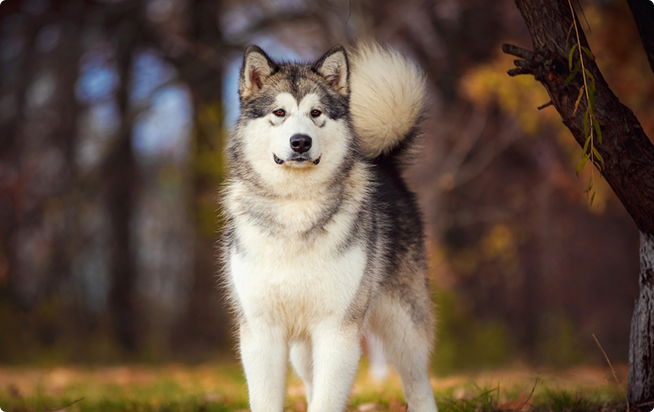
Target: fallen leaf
[
  {"x": 396, "y": 406},
  {"x": 368, "y": 407},
  {"x": 521, "y": 405}
]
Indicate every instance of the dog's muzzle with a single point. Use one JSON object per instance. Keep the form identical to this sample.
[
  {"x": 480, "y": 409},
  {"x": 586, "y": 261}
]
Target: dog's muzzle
[{"x": 300, "y": 144}]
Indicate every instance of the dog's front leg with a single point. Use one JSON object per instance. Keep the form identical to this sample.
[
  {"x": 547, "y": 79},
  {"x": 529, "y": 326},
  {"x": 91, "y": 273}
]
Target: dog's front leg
[
  {"x": 264, "y": 352},
  {"x": 336, "y": 353}
]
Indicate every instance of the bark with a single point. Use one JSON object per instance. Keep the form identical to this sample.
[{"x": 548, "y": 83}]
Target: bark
[
  {"x": 643, "y": 12},
  {"x": 641, "y": 351},
  {"x": 626, "y": 150}
]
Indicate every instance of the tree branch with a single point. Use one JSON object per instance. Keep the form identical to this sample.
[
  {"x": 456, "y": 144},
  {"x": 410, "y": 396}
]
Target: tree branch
[
  {"x": 626, "y": 150},
  {"x": 643, "y": 12},
  {"x": 517, "y": 51}
]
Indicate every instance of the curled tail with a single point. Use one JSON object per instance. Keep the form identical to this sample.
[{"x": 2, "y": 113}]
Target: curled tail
[{"x": 387, "y": 97}]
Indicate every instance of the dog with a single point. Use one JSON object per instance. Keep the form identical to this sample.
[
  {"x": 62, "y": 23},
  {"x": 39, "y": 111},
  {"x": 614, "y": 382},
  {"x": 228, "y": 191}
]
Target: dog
[{"x": 323, "y": 241}]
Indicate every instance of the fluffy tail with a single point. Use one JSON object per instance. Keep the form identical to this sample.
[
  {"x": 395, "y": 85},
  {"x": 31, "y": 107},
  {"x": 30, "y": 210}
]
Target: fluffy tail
[{"x": 387, "y": 96}]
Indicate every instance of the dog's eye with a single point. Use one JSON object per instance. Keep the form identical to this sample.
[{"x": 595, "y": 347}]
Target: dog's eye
[
  {"x": 279, "y": 113},
  {"x": 315, "y": 113}
]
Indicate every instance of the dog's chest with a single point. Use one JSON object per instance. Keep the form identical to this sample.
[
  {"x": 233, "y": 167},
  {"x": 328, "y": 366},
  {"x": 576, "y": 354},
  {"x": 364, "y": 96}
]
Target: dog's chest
[{"x": 293, "y": 280}]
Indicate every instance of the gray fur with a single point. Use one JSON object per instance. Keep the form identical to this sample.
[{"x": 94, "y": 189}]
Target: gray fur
[{"x": 388, "y": 224}]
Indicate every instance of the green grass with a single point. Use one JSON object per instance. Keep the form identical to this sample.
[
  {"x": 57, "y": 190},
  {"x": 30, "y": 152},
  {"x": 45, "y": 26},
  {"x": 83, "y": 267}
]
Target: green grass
[
  {"x": 222, "y": 388},
  {"x": 139, "y": 389},
  {"x": 490, "y": 400}
]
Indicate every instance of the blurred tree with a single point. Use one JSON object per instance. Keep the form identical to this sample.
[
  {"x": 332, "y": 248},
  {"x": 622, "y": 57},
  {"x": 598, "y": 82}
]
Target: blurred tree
[
  {"x": 37, "y": 149},
  {"x": 120, "y": 175},
  {"x": 201, "y": 65},
  {"x": 628, "y": 154}
]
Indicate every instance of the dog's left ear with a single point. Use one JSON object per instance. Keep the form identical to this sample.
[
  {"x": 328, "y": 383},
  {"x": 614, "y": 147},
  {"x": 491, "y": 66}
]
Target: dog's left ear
[{"x": 334, "y": 67}]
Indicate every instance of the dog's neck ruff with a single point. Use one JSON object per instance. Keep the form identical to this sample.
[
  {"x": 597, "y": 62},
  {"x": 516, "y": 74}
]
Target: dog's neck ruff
[{"x": 303, "y": 213}]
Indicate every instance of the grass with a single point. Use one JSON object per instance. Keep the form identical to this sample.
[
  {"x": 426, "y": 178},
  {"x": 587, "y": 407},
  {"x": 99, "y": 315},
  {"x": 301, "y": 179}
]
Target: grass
[{"x": 209, "y": 388}]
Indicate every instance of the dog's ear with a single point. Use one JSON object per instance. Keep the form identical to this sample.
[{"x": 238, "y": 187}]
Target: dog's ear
[
  {"x": 257, "y": 67},
  {"x": 334, "y": 67}
]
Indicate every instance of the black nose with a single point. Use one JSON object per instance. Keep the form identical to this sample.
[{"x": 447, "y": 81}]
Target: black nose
[{"x": 300, "y": 143}]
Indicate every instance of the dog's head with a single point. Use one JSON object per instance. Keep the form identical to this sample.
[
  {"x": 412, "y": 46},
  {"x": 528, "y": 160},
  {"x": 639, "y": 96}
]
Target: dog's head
[{"x": 295, "y": 120}]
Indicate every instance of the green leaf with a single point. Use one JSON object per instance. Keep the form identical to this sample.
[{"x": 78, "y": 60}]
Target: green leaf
[
  {"x": 588, "y": 52},
  {"x": 598, "y": 130},
  {"x": 581, "y": 164},
  {"x": 567, "y": 38},
  {"x": 591, "y": 90},
  {"x": 590, "y": 75},
  {"x": 586, "y": 116},
  {"x": 590, "y": 184},
  {"x": 586, "y": 144},
  {"x": 591, "y": 86},
  {"x": 597, "y": 156},
  {"x": 592, "y": 198},
  {"x": 572, "y": 74},
  {"x": 572, "y": 50},
  {"x": 581, "y": 93}
]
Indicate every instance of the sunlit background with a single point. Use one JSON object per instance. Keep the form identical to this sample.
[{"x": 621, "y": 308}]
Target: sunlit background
[{"x": 113, "y": 119}]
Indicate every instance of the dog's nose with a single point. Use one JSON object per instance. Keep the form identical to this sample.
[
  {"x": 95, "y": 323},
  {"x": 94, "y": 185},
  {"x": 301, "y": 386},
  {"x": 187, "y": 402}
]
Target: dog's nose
[{"x": 300, "y": 143}]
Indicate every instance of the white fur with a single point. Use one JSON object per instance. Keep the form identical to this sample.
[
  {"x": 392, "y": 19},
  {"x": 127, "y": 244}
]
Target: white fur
[
  {"x": 270, "y": 134},
  {"x": 386, "y": 99},
  {"x": 408, "y": 350},
  {"x": 283, "y": 302},
  {"x": 293, "y": 291}
]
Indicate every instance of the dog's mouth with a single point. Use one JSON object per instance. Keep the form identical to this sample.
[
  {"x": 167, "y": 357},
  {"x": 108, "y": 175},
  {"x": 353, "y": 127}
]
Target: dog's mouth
[{"x": 297, "y": 160}]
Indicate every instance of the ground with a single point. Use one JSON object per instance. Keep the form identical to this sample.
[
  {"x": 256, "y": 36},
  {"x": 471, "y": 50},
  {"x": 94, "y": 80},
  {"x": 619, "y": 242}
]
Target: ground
[{"x": 222, "y": 387}]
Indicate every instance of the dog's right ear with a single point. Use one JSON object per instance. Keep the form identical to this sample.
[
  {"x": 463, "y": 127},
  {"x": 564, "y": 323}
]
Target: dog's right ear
[
  {"x": 334, "y": 67},
  {"x": 257, "y": 67}
]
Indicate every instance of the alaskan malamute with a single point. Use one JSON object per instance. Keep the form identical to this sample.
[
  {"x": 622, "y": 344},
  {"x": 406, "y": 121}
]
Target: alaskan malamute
[{"x": 323, "y": 241}]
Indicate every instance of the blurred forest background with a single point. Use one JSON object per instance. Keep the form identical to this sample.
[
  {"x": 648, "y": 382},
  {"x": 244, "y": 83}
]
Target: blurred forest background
[{"x": 113, "y": 119}]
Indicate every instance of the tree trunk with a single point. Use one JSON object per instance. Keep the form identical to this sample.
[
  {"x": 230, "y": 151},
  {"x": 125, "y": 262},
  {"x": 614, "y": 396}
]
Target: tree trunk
[
  {"x": 643, "y": 12},
  {"x": 627, "y": 152},
  {"x": 641, "y": 352},
  {"x": 121, "y": 177},
  {"x": 641, "y": 378}
]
